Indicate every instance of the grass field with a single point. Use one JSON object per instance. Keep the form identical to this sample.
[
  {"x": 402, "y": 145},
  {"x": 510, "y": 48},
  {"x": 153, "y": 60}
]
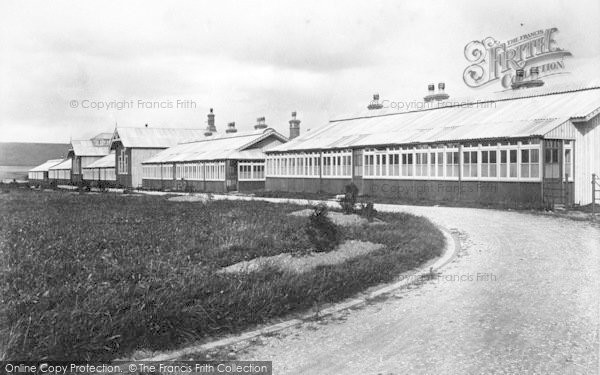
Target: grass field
[{"x": 97, "y": 276}]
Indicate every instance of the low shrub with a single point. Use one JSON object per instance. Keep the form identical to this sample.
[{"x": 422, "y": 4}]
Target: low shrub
[
  {"x": 348, "y": 202},
  {"x": 103, "y": 186},
  {"x": 321, "y": 231},
  {"x": 368, "y": 211},
  {"x": 83, "y": 186},
  {"x": 188, "y": 187}
]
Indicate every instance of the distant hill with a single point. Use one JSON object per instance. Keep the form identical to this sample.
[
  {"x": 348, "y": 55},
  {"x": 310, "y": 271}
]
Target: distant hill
[{"x": 30, "y": 154}]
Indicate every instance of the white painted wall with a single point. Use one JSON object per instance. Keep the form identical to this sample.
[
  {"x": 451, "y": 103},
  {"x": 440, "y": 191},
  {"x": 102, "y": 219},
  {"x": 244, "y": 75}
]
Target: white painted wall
[
  {"x": 587, "y": 159},
  {"x": 138, "y": 155}
]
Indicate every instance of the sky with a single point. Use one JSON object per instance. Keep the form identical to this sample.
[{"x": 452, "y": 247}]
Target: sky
[{"x": 72, "y": 69}]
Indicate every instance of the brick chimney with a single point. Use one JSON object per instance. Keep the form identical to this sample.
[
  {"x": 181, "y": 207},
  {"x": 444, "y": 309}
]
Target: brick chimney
[
  {"x": 375, "y": 103},
  {"x": 211, "y": 122},
  {"x": 231, "y": 128},
  {"x": 439, "y": 95},
  {"x": 260, "y": 123},
  {"x": 294, "y": 126},
  {"x": 521, "y": 83}
]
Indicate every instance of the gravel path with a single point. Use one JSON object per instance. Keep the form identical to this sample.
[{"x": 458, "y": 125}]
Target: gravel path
[{"x": 523, "y": 297}]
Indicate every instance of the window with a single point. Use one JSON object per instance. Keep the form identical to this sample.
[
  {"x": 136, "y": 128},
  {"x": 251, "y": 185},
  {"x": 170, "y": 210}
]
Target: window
[
  {"x": 397, "y": 163},
  {"x": 432, "y": 164},
  {"x": 326, "y": 166},
  {"x": 214, "y": 171},
  {"x": 407, "y": 164},
  {"x": 369, "y": 165},
  {"x": 88, "y": 174},
  {"x": 568, "y": 160},
  {"x": 189, "y": 171},
  {"x": 421, "y": 164},
  {"x": 337, "y": 164},
  {"x": 489, "y": 165},
  {"x": 440, "y": 164},
  {"x": 394, "y": 164},
  {"x": 77, "y": 166},
  {"x": 504, "y": 163},
  {"x": 470, "y": 164},
  {"x": 530, "y": 163},
  {"x": 123, "y": 162},
  {"x": 452, "y": 160},
  {"x": 108, "y": 174},
  {"x": 294, "y": 165},
  {"x": 513, "y": 163},
  {"x": 251, "y": 171}
]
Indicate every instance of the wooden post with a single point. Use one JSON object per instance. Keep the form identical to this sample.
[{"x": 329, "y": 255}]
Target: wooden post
[
  {"x": 320, "y": 171},
  {"x": 460, "y": 170},
  {"x": 543, "y": 170},
  {"x": 566, "y": 190},
  {"x": 593, "y": 195}
]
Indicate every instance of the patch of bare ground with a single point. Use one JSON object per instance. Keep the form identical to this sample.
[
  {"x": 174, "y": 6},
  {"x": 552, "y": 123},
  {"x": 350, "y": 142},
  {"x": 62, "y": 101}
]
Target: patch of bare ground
[
  {"x": 298, "y": 264},
  {"x": 189, "y": 198},
  {"x": 339, "y": 218}
]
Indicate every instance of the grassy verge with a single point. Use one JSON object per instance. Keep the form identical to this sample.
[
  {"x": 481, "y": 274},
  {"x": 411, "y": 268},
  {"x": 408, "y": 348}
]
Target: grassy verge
[{"x": 98, "y": 276}]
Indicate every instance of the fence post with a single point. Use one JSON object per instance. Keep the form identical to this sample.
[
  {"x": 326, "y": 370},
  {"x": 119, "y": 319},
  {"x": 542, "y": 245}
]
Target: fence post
[{"x": 566, "y": 190}]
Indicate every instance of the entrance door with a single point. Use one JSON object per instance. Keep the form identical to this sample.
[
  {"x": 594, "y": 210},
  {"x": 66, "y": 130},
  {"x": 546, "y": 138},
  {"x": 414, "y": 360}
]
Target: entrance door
[
  {"x": 555, "y": 186},
  {"x": 231, "y": 178},
  {"x": 357, "y": 169}
]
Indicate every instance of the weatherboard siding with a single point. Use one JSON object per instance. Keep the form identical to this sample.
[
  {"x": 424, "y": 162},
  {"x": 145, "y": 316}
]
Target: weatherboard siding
[
  {"x": 587, "y": 159},
  {"x": 138, "y": 155}
]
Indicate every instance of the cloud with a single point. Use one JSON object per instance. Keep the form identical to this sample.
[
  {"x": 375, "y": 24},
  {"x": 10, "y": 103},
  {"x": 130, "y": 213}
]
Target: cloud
[{"x": 245, "y": 59}]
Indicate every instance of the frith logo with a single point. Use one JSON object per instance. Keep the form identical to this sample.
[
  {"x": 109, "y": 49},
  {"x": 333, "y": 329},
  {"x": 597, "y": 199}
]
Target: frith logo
[{"x": 494, "y": 61}]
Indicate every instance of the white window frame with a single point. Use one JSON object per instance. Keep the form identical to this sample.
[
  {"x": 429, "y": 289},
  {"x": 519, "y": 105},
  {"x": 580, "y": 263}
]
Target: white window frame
[
  {"x": 294, "y": 165},
  {"x": 123, "y": 162},
  {"x": 247, "y": 171},
  {"x": 568, "y": 147},
  {"x": 340, "y": 164},
  {"x": 470, "y": 151}
]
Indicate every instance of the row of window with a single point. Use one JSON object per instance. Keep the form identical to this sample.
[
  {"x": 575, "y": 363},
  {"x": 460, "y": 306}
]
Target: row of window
[
  {"x": 509, "y": 160},
  {"x": 59, "y": 174},
  {"x": 485, "y": 162},
  {"x": 35, "y": 175},
  {"x": 396, "y": 163},
  {"x": 251, "y": 171},
  {"x": 99, "y": 174},
  {"x": 211, "y": 171},
  {"x": 331, "y": 164}
]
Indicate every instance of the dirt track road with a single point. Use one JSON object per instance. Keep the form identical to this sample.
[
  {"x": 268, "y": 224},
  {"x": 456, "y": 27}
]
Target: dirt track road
[{"x": 523, "y": 297}]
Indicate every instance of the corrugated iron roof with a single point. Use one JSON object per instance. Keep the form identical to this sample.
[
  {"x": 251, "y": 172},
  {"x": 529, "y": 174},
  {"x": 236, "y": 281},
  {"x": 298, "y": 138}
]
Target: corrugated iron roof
[
  {"x": 155, "y": 137},
  {"x": 65, "y": 164},
  {"x": 518, "y": 117},
  {"x": 106, "y": 162},
  {"x": 87, "y": 148},
  {"x": 395, "y": 105},
  {"x": 222, "y": 147},
  {"x": 46, "y": 165}
]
